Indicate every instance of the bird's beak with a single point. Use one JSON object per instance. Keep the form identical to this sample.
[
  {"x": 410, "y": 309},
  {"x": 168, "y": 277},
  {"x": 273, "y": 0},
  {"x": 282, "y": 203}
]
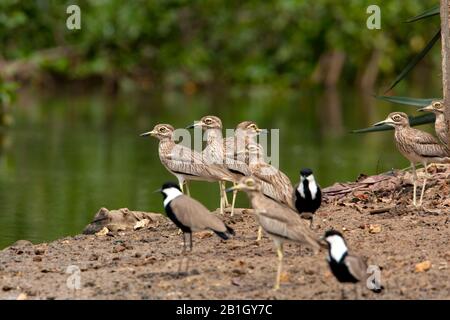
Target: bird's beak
[
  {"x": 146, "y": 134},
  {"x": 235, "y": 187},
  {"x": 194, "y": 125},
  {"x": 427, "y": 108},
  {"x": 387, "y": 121},
  {"x": 157, "y": 190},
  {"x": 264, "y": 131}
]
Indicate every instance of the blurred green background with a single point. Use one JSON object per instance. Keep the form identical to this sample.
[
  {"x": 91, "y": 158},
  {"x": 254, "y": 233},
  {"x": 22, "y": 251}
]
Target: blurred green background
[{"x": 73, "y": 102}]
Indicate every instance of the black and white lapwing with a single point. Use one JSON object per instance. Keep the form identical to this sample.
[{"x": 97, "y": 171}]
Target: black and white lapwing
[
  {"x": 348, "y": 268},
  {"x": 307, "y": 195},
  {"x": 190, "y": 215},
  {"x": 280, "y": 222}
]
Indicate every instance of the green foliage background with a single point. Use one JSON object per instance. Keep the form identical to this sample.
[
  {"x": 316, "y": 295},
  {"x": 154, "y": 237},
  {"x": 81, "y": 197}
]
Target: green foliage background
[{"x": 221, "y": 41}]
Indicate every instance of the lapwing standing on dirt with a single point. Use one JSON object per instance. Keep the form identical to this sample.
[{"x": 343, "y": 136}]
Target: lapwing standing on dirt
[
  {"x": 347, "y": 268},
  {"x": 215, "y": 153},
  {"x": 185, "y": 163},
  {"x": 416, "y": 146},
  {"x": 440, "y": 125},
  {"x": 190, "y": 216},
  {"x": 279, "y": 221},
  {"x": 307, "y": 196}
]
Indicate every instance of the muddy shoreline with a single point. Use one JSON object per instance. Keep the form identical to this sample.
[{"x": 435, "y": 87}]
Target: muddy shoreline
[{"x": 410, "y": 245}]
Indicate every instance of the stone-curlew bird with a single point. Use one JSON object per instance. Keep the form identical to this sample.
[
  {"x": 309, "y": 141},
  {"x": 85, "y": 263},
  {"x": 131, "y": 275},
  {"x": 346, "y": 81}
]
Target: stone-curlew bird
[
  {"x": 416, "y": 146},
  {"x": 185, "y": 163},
  {"x": 280, "y": 222},
  {"x": 440, "y": 125}
]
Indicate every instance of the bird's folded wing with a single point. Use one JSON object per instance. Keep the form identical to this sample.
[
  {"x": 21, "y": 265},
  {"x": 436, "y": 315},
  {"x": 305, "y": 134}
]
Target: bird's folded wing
[
  {"x": 192, "y": 213},
  {"x": 356, "y": 266},
  {"x": 427, "y": 146},
  {"x": 287, "y": 224}
]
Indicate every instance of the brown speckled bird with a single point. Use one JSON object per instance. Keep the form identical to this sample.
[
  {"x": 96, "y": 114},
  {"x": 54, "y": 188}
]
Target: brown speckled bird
[
  {"x": 440, "y": 125},
  {"x": 280, "y": 222},
  {"x": 214, "y": 153},
  {"x": 184, "y": 163},
  {"x": 416, "y": 146},
  {"x": 274, "y": 183}
]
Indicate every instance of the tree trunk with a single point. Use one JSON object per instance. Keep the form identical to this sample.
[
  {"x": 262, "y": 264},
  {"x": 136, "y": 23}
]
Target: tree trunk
[{"x": 445, "y": 32}]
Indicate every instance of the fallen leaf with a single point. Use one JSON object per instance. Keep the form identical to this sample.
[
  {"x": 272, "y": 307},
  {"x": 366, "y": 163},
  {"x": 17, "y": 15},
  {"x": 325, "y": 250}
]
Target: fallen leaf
[
  {"x": 236, "y": 282},
  {"x": 284, "y": 277},
  {"x": 141, "y": 224},
  {"x": 204, "y": 234},
  {"x": 423, "y": 266},
  {"x": 102, "y": 232},
  {"x": 22, "y": 296},
  {"x": 374, "y": 228}
]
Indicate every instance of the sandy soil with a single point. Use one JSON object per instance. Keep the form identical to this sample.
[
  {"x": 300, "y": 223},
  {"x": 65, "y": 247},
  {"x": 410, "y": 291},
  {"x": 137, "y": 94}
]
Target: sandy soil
[{"x": 142, "y": 264}]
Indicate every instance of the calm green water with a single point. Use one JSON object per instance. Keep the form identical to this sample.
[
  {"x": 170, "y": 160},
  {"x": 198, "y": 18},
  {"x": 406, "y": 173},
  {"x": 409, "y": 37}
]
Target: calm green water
[{"x": 67, "y": 155}]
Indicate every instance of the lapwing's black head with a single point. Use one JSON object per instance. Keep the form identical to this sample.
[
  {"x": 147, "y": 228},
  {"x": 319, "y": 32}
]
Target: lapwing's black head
[
  {"x": 306, "y": 172},
  {"x": 332, "y": 232},
  {"x": 169, "y": 185},
  {"x": 170, "y": 190}
]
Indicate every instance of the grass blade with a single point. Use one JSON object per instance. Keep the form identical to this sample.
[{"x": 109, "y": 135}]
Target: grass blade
[
  {"x": 414, "y": 121},
  {"x": 415, "y": 60},
  {"x": 429, "y": 13},
  {"x": 416, "y": 102}
]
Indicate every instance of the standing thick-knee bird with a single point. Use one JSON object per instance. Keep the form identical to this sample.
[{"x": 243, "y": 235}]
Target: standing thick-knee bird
[
  {"x": 274, "y": 183},
  {"x": 440, "y": 125},
  {"x": 190, "y": 215},
  {"x": 347, "y": 268},
  {"x": 185, "y": 163},
  {"x": 280, "y": 222},
  {"x": 416, "y": 146},
  {"x": 214, "y": 153},
  {"x": 308, "y": 195},
  {"x": 236, "y": 151},
  {"x": 244, "y": 134}
]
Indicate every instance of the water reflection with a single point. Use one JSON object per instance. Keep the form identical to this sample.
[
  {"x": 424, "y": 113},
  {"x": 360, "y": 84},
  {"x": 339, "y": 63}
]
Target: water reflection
[{"x": 73, "y": 154}]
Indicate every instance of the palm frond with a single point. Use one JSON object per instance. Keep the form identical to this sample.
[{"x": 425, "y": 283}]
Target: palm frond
[
  {"x": 415, "y": 60},
  {"x": 429, "y": 13}
]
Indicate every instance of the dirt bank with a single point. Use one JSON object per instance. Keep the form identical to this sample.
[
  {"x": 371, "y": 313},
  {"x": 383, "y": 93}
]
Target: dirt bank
[{"x": 376, "y": 216}]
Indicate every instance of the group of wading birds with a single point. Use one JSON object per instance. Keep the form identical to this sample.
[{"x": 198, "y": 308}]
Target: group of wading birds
[{"x": 281, "y": 209}]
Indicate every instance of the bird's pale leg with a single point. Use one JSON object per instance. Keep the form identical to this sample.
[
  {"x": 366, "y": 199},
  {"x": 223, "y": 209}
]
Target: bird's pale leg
[
  {"x": 414, "y": 184},
  {"x": 424, "y": 184},
  {"x": 188, "y": 192},
  {"x": 221, "y": 197},
  {"x": 259, "y": 234},
  {"x": 181, "y": 186},
  {"x": 280, "y": 265},
  {"x": 225, "y": 197},
  {"x": 233, "y": 201}
]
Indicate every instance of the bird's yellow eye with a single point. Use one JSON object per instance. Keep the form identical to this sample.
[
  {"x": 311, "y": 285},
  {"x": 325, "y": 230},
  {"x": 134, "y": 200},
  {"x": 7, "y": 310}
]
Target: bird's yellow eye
[
  {"x": 438, "y": 105},
  {"x": 249, "y": 183},
  {"x": 162, "y": 129},
  {"x": 396, "y": 118}
]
